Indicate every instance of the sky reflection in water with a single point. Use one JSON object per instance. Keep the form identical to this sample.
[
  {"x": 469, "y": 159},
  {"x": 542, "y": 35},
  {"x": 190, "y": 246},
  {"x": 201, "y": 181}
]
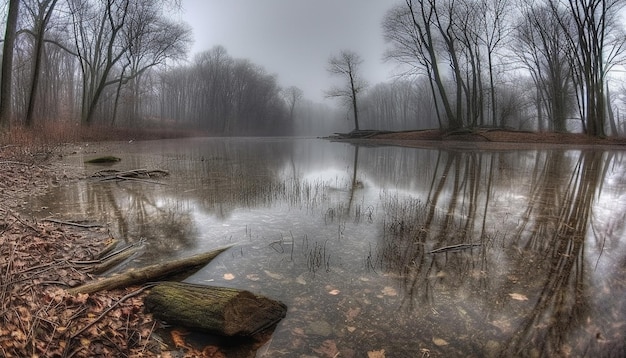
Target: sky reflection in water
[{"x": 344, "y": 236}]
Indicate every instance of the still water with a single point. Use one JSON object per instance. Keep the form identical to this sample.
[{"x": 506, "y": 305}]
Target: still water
[{"x": 385, "y": 251}]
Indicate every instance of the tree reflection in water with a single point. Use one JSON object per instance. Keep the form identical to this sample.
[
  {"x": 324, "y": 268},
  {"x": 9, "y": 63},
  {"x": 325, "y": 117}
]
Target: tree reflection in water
[
  {"x": 346, "y": 235},
  {"x": 542, "y": 259}
]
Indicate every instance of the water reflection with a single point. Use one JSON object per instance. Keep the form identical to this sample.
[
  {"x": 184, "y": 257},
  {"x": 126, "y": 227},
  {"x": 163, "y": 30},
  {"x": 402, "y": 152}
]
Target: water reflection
[{"x": 438, "y": 252}]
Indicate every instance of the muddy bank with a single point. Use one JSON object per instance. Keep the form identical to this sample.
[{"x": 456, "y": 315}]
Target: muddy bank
[{"x": 39, "y": 260}]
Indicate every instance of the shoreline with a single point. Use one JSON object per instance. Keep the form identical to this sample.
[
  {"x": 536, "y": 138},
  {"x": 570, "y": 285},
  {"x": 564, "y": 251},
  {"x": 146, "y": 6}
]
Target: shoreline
[
  {"x": 481, "y": 139},
  {"x": 40, "y": 259}
]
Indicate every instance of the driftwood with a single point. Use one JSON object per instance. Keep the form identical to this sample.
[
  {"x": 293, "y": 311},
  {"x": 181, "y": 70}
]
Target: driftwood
[
  {"x": 114, "y": 259},
  {"x": 217, "y": 310},
  {"x": 161, "y": 271}
]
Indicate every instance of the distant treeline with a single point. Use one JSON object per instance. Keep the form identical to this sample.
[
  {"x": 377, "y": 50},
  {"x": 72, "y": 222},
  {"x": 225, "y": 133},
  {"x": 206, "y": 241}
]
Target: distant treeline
[
  {"x": 531, "y": 65},
  {"x": 223, "y": 95}
]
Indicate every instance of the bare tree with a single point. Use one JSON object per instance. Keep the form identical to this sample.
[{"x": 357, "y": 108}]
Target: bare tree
[
  {"x": 346, "y": 65},
  {"x": 292, "y": 95},
  {"x": 591, "y": 35},
  {"x": 41, "y": 11},
  {"x": 546, "y": 53},
  {"x": 222, "y": 95},
  {"x": 97, "y": 34},
  {"x": 423, "y": 29},
  {"x": 7, "y": 64},
  {"x": 152, "y": 40}
]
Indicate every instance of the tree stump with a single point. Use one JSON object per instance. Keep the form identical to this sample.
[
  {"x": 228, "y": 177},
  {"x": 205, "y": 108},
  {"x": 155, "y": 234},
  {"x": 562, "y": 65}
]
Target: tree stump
[{"x": 217, "y": 310}]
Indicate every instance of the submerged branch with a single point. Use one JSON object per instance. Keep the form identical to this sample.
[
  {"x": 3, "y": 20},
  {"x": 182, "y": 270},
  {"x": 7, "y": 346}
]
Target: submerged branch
[
  {"x": 135, "y": 174},
  {"x": 72, "y": 223},
  {"x": 450, "y": 248}
]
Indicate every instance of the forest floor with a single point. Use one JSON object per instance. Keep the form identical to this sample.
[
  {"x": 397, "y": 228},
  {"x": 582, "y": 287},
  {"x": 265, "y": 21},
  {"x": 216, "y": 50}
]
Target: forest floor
[{"x": 39, "y": 259}]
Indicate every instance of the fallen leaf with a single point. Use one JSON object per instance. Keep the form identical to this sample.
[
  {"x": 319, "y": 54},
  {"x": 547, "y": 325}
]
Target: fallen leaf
[
  {"x": 300, "y": 279},
  {"x": 229, "y": 276},
  {"x": 518, "y": 296},
  {"x": 275, "y": 276},
  {"x": 376, "y": 354},
  {"x": 440, "y": 342},
  {"x": 212, "y": 352},
  {"x": 178, "y": 336}
]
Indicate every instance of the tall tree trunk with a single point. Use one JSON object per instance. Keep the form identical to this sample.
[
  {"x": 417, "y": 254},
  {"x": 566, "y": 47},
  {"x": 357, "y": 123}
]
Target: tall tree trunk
[
  {"x": 609, "y": 110},
  {"x": 354, "y": 106},
  {"x": 7, "y": 65},
  {"x": 40, "y": 30}
]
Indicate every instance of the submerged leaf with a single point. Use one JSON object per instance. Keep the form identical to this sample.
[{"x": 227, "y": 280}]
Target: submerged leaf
[
  {"x": 518, "y": 296},
  {"x": 275, "y": 276},
  {"x": 229, "y": 276},
  {"x": 389, "y": 291}
]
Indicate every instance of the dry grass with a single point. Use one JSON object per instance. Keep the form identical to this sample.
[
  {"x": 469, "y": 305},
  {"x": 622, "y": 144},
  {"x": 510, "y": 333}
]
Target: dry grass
[{"x": 51, "y": 134}]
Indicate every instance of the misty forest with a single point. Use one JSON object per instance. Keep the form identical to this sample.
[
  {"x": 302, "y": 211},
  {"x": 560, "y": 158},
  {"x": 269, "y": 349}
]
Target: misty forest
[
  {"x": 156, "y": 202},
  {"x": 533, "y": 65}
]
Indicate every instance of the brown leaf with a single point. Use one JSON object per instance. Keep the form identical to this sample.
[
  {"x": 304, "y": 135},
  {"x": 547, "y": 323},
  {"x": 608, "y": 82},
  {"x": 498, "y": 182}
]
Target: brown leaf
[{"x": 178, "y": 336}]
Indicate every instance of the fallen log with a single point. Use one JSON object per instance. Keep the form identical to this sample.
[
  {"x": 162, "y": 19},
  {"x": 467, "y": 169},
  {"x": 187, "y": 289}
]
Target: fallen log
[
  {"x": 217, "y": 310},
  {"x": 182, "y": 268}
]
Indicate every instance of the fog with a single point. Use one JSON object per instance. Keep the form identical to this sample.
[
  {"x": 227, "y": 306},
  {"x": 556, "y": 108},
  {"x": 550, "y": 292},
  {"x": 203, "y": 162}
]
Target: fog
[{"x": 293, "y": 39}]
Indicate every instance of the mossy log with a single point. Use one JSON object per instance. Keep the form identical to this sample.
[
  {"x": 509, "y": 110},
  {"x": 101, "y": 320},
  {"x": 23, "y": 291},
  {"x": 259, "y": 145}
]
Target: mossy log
[
  {"x": 217, "y": 310},
  {"x": 180, "y": 268}
]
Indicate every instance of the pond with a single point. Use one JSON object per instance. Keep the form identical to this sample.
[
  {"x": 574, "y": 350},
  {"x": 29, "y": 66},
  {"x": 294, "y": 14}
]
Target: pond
[{"x": 385, "y": 251}]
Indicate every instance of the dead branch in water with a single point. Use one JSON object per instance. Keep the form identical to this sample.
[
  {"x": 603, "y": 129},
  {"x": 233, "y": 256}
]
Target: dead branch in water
[
  {"x": 451, "y": 248},
  {"x": 142, "y": 175},
  {"x": 160, "y": 271}
]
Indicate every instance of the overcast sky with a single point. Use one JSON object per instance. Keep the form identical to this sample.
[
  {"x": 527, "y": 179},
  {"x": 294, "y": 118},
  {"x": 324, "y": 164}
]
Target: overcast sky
[{"x": 293, "y": 38}]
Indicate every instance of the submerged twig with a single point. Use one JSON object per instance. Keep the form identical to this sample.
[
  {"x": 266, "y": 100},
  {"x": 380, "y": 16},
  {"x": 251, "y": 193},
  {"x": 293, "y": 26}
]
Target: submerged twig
[
  {"x": 71, "y": 223},
  {"x": 457, "y": 247}
]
